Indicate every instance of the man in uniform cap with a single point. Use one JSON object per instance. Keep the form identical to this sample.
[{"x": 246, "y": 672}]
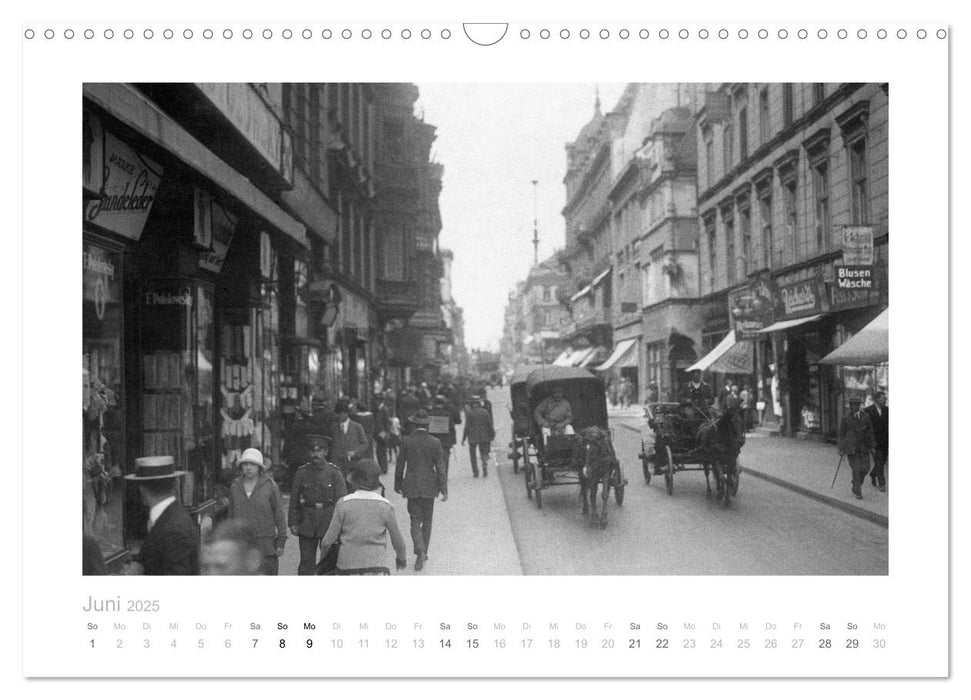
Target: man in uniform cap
[
  {"x": 855, "y": 440},
  {"x": 420, "y": 476},
  {"x": 171, "y": 547},
  {"x": 317, "y": 486}
]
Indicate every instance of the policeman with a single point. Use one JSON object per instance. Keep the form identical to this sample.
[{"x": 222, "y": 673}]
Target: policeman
[{"x": 317, "y": 486}]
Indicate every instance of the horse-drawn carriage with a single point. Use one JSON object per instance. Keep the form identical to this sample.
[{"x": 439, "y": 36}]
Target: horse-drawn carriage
[
  {"x": 580, "y": 454},
  {"x": 686, "y": 438},
  {"x": 520, "y": 413}
]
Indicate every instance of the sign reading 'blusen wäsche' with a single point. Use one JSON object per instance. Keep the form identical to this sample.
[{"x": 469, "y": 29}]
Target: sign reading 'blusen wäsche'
[{"x": 854, "y": 277}]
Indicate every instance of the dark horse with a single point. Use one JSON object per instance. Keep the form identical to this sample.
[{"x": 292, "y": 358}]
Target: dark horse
[
  {"x": 597, "y": 465},
  {"x": 719, "y": 441}
]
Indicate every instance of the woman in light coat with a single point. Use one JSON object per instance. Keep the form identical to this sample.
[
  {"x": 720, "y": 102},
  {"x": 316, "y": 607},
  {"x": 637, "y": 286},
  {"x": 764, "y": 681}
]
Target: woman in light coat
[{"x": 255, "y": 499}]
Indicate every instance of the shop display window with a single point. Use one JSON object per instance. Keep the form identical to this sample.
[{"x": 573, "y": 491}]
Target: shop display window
[
  {"x": 103, "y": 415},
  {"x": 177, "y": 362}
]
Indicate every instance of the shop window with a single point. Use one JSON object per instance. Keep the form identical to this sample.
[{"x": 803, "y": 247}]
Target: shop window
[
  {"x": 730, "y": 262},
  {"x": 709, "y": 157},
  {"x": 103, "y": 399},
  {"x": 765, "y": 214},
  {"x": 393, "y": 243},
  {"x": 745, "y": 231}
]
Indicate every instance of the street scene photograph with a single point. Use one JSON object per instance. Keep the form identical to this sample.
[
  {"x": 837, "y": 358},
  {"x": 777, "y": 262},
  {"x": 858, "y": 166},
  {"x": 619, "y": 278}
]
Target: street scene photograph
[{"x": 476, "y": 329}]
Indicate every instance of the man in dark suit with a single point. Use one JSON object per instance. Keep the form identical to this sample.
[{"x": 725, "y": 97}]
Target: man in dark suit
[
  {"x": 420, "y": 476},
  {"x": 480, "y": 433},
  {"x": 442, "y": 420},
  {"x": 350, "y": 443},
  {"x": 880, "y": 420},
  {"x": 171, "y": 547},
  {"x": 855, "y": 440}
]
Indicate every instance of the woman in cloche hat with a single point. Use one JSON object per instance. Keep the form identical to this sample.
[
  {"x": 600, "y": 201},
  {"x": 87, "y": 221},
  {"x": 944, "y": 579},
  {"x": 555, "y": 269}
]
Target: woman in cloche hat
[{"x": 255, "y": 499}]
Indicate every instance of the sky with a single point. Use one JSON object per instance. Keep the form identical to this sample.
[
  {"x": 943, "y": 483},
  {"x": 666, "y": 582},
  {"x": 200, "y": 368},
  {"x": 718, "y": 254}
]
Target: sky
[{"x": 494, "y": 140}]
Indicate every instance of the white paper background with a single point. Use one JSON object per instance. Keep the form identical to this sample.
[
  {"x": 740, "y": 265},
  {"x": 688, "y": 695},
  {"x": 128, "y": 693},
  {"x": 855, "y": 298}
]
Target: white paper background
[{"x": 913, "y": 599}]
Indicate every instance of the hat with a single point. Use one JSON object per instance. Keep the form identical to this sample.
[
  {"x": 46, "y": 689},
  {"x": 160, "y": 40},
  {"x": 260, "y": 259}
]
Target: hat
[
  {"x": 316, "y": 437},
  {"x": 854, "y": 400},
  {"x": 440, "y": 399},
  {"x": 151, "y": 468},
  {"x": 252, "y": 456},
  {"x": 420, "y": 418},
  {"x": 365, "y": 474}
]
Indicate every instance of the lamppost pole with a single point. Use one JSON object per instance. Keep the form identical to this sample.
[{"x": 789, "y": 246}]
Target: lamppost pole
[{"x": 535, "y": 227}]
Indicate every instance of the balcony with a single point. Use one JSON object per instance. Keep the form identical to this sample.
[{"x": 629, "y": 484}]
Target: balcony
[{"x": 397, "y": 299}]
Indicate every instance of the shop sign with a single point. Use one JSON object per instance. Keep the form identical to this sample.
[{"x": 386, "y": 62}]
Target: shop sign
[
  {"x": 130, "y": 183},
  {"x": 168, "y": 297},
  {"x": 93, "y": 153},
  {"x": 801, "y": 298},
  {"x": 101, "y": 279},
  {"x": 215, "y": 224},
  {"x": 752, "y": 308},
  {"x": 858, "y": 245},
  {"x": 842, "y": 298},
  {"x": 854, "y": 277},
  {"x": 354, "y": 314}
]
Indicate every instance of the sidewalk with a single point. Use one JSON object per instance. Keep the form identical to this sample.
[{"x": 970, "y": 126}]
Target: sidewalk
[
  {"x": 471, "y": 532},
  {"x": 804, "y": 466}
]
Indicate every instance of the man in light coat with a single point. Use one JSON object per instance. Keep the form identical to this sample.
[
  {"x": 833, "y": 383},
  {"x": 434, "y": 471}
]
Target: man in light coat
[{"x": 419, "y": 477}]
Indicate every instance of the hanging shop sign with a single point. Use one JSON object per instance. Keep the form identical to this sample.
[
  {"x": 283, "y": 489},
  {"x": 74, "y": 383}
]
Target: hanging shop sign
[
  {"x": 858, "y": 245},
  {"x": 753, "y": 307},
  {"x": 801, "y": 298},
  {"x": 93, "y": 153},
  {"x": 213, "y": 230},
  {"x": 102, "y": 282},
  {"x": 130, "y": 183}
]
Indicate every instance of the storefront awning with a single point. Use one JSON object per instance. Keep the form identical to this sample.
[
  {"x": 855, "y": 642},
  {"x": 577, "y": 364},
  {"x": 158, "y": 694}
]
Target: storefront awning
[
  {"x": 561, "y": 361},
  {"x": 597, "y": 353},
  {"x": 576, "y": 357},
  {"x": 730, "y": 356},
  {"x": 782, "y": 325},
  {"x": 586, "y": 290},
  {"x": 871, "y": 346},
  {"x": 618, "y": 355}
]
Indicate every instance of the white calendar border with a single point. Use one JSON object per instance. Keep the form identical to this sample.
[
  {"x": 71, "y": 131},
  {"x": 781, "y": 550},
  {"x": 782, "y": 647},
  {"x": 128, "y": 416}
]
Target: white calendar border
[{"x": 906, "y": 513}]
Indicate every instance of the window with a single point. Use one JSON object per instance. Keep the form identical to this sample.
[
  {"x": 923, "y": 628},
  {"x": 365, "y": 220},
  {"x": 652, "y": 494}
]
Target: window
[
  {"x": 745, "y": 229},
  {"x": 709, "y": 157},
  {"x": 547, "y": 294},
  {"x": 712, "y": 254},
  {"x": 764, "y": 125},
  {"x": 315, "y": 158},
  {"x": 821, "y": 195},
  {"x": 730, "y": 250},
  {"x": 789, "y": 204},
  {"x": 788, "y": 105},
  {"x": 765, "y": 214},
  {"x": 728, "y": 146},
  {"x": 859, "y": 196},
  {"x": 743, "y": 133},
  {"x": 819, "y": 92}
]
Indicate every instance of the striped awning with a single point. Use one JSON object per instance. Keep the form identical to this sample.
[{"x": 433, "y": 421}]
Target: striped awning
[
  {"x": 730, "y": 356},
  {"x": 621, "y": 350}
]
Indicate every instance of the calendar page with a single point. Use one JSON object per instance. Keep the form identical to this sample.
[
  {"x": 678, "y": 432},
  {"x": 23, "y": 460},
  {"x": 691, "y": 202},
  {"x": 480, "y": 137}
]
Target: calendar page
[{"x": 540, "y": 346}]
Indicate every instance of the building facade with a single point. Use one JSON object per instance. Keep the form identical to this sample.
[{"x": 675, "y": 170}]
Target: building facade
[
  {"x": 231, "y": 264},
  {"x": 793, "y": 201}
]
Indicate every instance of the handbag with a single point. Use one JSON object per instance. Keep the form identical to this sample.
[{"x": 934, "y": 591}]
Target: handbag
[{"x": 327, "y": 566}]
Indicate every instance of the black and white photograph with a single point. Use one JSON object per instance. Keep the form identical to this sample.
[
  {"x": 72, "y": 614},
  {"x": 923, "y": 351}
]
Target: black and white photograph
[{"x": 485, "y": 329}]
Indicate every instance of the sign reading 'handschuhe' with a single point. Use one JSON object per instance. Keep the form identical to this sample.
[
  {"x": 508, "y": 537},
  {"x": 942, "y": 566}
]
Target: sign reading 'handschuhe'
[{"x": 130, "y": 183}]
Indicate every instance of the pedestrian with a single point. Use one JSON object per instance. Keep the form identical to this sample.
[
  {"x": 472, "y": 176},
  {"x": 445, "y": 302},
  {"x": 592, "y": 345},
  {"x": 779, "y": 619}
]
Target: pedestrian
[
  {"x": 171, "y": 547},
  {"x": 408, "y": 405},
  {"x": 317, "y": 487},
  {"x": 879, "y": 416},
  {"x": 443, "y": 419},
  {"x": 745, "y": 402},
  {"x": 350, "y": 442},
  {"x": 363, "y": 523},
  {"x": 696, "y": 393},
  {"x": 255, "y": 499},
  {"x": 296, "y": 448},
  {"x": 855, "y": 440},
  {"x": 382, "y": 431},
  {"x": 365, "y": 418},
  {"x": 480, "y": 432},
  {"x": 420, "y": 477},
  {"x": 486, "y": 403},
  {"x": 231, "y": 549},
  {"x": 323, "y": 417},
  {"x": 629, "y": 390}
]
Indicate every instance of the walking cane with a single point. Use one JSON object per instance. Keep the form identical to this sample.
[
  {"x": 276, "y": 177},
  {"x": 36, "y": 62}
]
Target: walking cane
[{"x": 837, "y": 471}]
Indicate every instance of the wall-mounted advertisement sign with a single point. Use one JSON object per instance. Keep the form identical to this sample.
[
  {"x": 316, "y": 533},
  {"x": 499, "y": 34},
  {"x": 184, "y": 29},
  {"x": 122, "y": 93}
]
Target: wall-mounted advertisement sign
[
  {"x": 854, "y": 277},
  {"x": 801, "y": 298},
  {"x": 858, "y": 245},
  {"x": 222, "y": 226},
  {"x": 752, "y": 308},
  {"x": 93, "y": 153},
  {"x": 130, "y": 183}
]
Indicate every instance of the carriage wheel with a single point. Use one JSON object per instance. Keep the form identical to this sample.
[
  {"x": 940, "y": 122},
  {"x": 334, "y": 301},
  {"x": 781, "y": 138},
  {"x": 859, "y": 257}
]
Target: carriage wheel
[
  {"x": 527, "y": 477},
  {"x": 669, "y": 474},
  {"x": 646, "y": 464},
  {"x": 515, "y": 457}
]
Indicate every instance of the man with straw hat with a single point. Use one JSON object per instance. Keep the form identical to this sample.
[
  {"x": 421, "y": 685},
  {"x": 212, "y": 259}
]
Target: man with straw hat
[
  {"x": 420, "y": 476},
  {"x": 171, "y": 547},
  {"x": 317, "y": 486}
]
